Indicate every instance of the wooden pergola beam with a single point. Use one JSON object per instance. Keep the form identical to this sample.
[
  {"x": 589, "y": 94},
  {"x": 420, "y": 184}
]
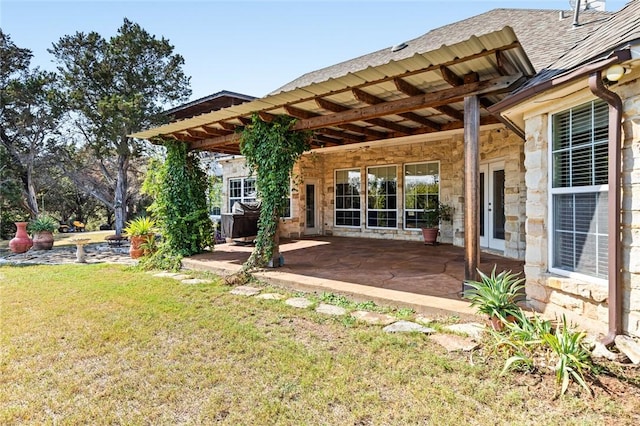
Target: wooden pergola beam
[
  {"x": 370, "y": 99},
  {"x": 376, "y": 121},
  {"x": 426, "y": 100},
  {"x": 228, "y": 126},
  {"x": 505, "y": 66},
  {"x": 326, "y": 139},
  {"x": 450, "y": 77},
  {"x": 410, "y": 90},
  {"x": 213, "y": 131},
  {"x": 343, "y": 135},
  {"x": 197, "y": 134}
]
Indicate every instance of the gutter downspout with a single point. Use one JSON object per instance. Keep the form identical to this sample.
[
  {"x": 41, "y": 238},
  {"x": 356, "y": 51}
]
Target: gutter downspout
[{"x": 615, "y": 148}]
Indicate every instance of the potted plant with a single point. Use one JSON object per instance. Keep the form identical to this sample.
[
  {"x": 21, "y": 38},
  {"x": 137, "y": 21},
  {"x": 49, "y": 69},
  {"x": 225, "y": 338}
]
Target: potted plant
[
  {"x": 140, "y": 231},
  {"x": 496, "y": 296},
  {"x": 42, "y": 228},
  {"x": 432, "y": 216}
]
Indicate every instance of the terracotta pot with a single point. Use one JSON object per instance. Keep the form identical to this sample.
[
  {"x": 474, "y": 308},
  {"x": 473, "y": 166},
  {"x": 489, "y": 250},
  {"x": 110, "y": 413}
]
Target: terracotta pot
[
  {"x": 136, "y": 241},
  {"x": 43, "y": 240},
  {"x": 497, "y": 324},
  {"x": 21, "y": 242},
  {"x": 430, "y": 235}
]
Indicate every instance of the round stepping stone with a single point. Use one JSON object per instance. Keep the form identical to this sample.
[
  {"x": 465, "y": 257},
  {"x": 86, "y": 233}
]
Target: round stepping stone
[
  {"x": 473, "y": 329},
  {"x": 195, "y": 281},
  {"x": 423, "y": 320},
  {"x": 407, "y": 327},
  {"x": 299, "y": 302},
  {"x": 245, "y": 290},
  {"x": 165, "y": 274},
  {"x": 454, "y": 343},
  {"x": 270, "y": 296},
  {"x": 326, "y": 309},
  {"x": 373, "y": 317}
]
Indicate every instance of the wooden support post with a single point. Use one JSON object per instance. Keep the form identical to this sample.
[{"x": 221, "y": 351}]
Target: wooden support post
[{"x": 471, "y": 187}]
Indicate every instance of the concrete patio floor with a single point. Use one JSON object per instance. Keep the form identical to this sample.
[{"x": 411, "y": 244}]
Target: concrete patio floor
[{"x": 407, "y": 273}]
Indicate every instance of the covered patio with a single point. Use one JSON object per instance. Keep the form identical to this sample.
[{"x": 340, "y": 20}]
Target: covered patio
[
  {"x": 339, "y": 263},
  {"x": 419, "y": 93}
]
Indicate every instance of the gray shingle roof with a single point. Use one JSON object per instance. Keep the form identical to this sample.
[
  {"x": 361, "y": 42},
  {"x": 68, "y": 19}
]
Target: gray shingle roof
[
  {"x": 543, "y": 35},
  {"x": 617, "y": 31}
]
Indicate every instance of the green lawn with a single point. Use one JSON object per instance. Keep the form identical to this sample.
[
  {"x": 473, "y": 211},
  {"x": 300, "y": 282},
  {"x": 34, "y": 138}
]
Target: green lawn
[{"x": 100, "y": 344}]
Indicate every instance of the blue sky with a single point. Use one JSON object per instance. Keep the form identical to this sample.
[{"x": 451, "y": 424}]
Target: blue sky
[{"x": 250, "y": 47}]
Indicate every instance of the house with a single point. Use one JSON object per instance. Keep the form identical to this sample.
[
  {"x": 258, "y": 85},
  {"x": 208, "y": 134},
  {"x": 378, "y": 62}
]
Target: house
[{"x": 513, "y": 117}]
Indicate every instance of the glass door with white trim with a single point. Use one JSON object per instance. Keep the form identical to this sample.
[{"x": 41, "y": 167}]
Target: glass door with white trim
[{"x": 492, "y": 217}]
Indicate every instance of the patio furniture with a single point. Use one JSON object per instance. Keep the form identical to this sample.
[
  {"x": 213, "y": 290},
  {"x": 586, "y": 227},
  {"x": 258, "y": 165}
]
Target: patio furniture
[
  {"x": 242, "y": 224},
  {"x": 115, "y": 240}
]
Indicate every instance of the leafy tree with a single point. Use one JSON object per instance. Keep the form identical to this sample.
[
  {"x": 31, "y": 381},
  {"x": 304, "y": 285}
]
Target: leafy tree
[
  {"x": 31, "y": 111},
  {"x": 271, "y": 150},
  {"x": 116, "y": 87},
  {"x": 10, "y": 196}
]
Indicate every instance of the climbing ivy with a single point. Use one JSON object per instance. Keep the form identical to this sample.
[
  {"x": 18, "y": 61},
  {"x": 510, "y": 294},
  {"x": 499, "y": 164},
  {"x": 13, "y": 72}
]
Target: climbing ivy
[
  {"x": 271, "y": 150},
  {"x": 179, "y": 188}
]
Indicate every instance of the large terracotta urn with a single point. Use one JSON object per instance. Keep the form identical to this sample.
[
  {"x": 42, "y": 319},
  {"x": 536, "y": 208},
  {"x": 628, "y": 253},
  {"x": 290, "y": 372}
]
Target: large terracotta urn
[
  {"x": 21, "y": 242},
  {"x": 136, "y": 249}
]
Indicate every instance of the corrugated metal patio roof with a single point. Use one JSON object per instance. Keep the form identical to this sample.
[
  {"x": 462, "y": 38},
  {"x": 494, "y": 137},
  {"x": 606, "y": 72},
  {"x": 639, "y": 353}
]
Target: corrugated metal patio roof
[{"x": 373, "y": 101}]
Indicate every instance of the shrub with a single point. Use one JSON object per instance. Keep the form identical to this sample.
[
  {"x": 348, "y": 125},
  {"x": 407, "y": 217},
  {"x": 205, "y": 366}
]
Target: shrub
[
  {"x": 43, "y": 223},
  {"x": 495, "y": 295},
  {"x": 140, "y": 226},
  {"x": 533, "y": 343}
]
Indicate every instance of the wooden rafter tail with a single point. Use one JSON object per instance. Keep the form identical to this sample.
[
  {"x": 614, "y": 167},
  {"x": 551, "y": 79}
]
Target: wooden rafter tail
[
  {"x": 326, "y": 139},
  {"x": 197, "y": 134},
  {"x": 228, "y": 126},
  {"x": 213, "y": 131},
  {"x": 505, "y": 66},
  {"x": 342, "y": 135}
]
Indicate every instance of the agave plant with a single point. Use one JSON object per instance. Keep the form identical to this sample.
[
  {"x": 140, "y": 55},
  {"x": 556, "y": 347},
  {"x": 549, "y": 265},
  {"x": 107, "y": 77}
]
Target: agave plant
[
  {"x": 496, "y": 295},
  {"x": 140, "y": 226},
  {"x": 43, "y": 223}
]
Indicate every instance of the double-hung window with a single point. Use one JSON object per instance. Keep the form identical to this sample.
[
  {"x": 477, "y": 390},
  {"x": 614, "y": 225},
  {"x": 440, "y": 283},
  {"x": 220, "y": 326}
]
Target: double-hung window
[
  {"x": 347, "y": 202},
  {"x": 579, "y": 190},
  {"x": 421, "y": 192},
  {"x": 242, "y": 190},
  {"x": 382, "y": 204}
]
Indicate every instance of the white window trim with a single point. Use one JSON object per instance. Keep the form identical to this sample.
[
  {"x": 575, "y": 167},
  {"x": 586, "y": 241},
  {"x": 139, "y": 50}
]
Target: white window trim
[
  {"x": 242, "y": 194},
  {"x": 335, "y": 209},
  {"x": 551, "y": 191},
  {"x": 366, "y": 197},
  {"x": 404, "y": 199},
  {"x": 242, "y": 178},
  {"x": 291, "y": 216}
]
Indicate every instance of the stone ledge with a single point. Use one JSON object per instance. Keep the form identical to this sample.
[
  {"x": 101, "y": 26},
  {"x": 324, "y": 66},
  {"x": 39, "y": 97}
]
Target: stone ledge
[{"x": 589, "y": 291}]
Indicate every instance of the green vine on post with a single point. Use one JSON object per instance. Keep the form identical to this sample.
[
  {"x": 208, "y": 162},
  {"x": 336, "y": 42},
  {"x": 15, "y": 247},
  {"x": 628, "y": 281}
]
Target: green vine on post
[
  {"x": 271, "y": 150},
  {"x": 180, "y": 188}
]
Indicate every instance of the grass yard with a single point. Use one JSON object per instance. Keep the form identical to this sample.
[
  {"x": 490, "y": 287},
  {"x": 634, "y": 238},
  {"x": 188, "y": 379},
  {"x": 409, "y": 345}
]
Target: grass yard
[{"x": 100, "y": 344}]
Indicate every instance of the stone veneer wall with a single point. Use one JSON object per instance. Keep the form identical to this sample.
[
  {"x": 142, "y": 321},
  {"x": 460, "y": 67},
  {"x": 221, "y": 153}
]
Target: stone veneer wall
[
  {"x": 582, "y": 301},
  {"x": 498, "y": 144}
]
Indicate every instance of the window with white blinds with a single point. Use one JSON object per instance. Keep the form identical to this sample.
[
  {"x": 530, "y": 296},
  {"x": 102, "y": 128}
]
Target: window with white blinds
[{"x": 579, "y": 189}]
